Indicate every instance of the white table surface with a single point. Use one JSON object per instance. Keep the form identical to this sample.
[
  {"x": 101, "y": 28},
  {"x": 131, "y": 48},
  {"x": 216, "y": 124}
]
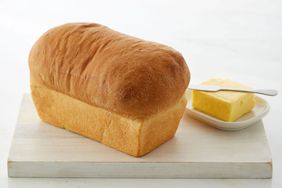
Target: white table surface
[{"x": 240, "y": 40}]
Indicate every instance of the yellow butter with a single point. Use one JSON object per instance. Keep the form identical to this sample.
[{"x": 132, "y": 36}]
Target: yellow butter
[{"x": 224, "y": 105}]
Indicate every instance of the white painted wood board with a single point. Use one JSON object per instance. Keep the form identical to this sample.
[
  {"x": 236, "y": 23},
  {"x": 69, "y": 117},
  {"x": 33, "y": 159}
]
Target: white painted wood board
[{"x": 197, "y": 151}]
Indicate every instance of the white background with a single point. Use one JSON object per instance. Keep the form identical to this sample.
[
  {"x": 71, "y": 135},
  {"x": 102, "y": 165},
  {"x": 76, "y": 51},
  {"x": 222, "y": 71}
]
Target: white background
[{"x": 240, "y": 40}]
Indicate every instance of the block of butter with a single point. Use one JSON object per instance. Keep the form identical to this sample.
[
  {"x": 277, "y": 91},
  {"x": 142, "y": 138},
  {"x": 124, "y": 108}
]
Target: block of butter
[{"x": 224, "y": 105}]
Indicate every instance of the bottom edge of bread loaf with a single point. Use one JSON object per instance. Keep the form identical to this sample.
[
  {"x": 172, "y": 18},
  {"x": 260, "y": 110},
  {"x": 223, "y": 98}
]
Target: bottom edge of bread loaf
[{"x": 135, "y": 137}]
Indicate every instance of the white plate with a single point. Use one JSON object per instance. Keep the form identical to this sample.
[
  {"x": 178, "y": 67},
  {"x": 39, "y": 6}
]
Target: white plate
[{"x": 247, "y": 120}]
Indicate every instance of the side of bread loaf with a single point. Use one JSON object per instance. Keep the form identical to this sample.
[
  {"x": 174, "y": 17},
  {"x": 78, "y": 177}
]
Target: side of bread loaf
[
  {"x": 107, "y": 69},
  {"x": 135, "y": 137}
]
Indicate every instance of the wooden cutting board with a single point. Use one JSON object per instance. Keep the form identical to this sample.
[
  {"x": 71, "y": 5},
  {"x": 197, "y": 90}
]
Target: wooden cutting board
[{"x": 197, "y": 151}]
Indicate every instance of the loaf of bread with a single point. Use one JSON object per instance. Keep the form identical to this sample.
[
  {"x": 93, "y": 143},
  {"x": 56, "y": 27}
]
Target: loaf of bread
[{"x": 122, "y": 91}]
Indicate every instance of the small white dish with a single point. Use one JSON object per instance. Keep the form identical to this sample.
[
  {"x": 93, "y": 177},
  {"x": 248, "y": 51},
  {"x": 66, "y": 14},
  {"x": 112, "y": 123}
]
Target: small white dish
[{"x": 259, "y": 111}]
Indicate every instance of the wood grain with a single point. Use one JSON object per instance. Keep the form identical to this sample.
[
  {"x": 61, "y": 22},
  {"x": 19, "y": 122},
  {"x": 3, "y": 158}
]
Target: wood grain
[{"x": 197, "y": 151}]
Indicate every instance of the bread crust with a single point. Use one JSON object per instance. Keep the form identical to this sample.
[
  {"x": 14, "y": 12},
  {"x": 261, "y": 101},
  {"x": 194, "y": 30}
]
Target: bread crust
[
  {"x": 135, "y": 137},
  {"x": 108, "y": 69}
]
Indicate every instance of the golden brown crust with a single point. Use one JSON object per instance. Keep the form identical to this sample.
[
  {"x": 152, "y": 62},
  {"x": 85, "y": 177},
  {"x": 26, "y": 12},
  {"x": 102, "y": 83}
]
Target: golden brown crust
[
  {"x": 107, "y": 69},
  {"x": 134, "y": 137}
]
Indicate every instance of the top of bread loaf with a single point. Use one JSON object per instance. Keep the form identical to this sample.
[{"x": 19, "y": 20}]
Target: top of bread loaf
[{"x": 108, "y": 69}]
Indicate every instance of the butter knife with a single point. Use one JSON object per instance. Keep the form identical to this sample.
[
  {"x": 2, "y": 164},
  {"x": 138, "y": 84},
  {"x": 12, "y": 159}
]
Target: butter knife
[{"x": 212, "y": 88}]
